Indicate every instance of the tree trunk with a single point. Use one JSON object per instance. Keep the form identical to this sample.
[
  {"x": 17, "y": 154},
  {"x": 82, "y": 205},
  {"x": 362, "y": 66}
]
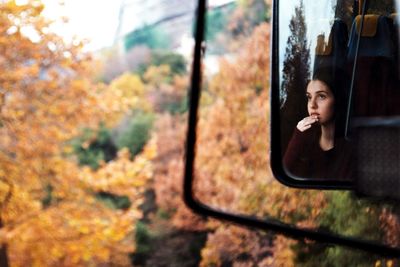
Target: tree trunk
[{"x": 3, "y": 251}]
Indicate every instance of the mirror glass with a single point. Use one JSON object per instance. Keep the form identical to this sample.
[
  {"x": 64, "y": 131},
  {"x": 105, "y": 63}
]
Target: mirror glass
[
  {"x": 336, "y": 100},
  {"x": 232, "y": 160}
]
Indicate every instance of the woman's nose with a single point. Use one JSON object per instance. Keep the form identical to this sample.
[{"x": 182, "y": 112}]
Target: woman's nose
[{"x": 313, "y": 103}]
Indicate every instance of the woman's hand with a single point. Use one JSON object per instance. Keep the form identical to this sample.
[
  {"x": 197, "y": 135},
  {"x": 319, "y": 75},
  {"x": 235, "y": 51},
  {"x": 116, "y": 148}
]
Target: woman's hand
[{"x": 306, "y": 123}]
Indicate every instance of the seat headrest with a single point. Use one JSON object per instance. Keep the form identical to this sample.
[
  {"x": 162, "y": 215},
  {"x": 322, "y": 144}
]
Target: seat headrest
[
  {"x": 370, "y": 25},
  {"x": 377, "y": 37},
  {"x": 323, "y": 48},
  {"x": 337, "y": 38}
]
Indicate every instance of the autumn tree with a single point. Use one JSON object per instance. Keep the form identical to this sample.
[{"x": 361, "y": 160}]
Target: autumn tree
[
  {"x": 170, "y": 234},
  {"x": 50, "y": 213},
  {"x": 168, "y": 169},
  {"x": 170, "y": 130},
  {"x": 113, "y": 62},
  {"x": 232, "y": 174},
  {"x": 232, "y": 161},
  {"x": 230, "y": 24},
  {"x": 166, "y": 90},
  {"x": 232, "y": 151},
  {"x": 93, "y": 147}
]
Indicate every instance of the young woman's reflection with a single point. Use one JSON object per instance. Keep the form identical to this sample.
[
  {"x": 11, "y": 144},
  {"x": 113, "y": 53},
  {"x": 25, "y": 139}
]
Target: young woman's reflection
[{"x": 317, "y": 148}]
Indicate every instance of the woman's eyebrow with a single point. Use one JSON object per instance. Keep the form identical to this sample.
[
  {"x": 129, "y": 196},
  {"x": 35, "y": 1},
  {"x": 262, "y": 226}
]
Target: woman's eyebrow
[{"x": 317, "y": 92}]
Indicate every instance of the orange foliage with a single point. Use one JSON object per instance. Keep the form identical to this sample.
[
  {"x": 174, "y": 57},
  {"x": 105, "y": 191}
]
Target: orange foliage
[
  {"x": 124, "y": 94},
  {"x": 168, "y": 169},
  {"x": 45, "y": 98},
  {"x": 232, "y": 162},
  {"x": 230, "y": 244},
  {"x": 228, "y": 128},
  {"x": 391, "y": 227},
  {"x": 164, "y": 90}
]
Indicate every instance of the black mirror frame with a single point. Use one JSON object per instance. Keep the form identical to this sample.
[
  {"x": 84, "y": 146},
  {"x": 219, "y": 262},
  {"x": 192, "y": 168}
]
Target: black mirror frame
[
  {"x": 250, "y": 221},
  {"x": 276, "y": 151}
]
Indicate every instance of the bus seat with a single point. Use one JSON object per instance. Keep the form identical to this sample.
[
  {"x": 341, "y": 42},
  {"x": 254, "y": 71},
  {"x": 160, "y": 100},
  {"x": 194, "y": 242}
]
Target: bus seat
[
  {"x": 377, "y": 31},
  {"x": 395, "y": 99},
  {"x": 375, "y": 83},
  {"x": 376, "y": 102},
  {"x": 396, "y": 30},
  {"x": 333, "y": 52}
]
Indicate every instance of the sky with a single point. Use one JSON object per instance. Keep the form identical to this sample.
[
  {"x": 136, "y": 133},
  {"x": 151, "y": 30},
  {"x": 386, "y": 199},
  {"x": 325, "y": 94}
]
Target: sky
[{"x": 94, "y": 20}]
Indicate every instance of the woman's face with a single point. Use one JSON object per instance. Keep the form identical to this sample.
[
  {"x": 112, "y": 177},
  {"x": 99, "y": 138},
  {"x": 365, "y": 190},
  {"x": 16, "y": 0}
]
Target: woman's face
[{"x": 320, "y": 101}]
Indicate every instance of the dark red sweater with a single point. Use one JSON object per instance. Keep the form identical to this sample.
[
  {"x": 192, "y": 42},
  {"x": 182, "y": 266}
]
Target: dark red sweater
[{"x": 304, "y": 157}]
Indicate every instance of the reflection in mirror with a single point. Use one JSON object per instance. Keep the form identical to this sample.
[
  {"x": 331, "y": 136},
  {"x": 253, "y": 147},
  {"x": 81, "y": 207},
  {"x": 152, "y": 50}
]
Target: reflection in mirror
[
  {"x": 337, "y": 83},
  {"x": 339, "y": 110},
  {"x": 314, "y": 91},
  {"x": 231, "y": 164},
  {"x": 374, "y": 122},
  {"x": 317, "y": 148}
]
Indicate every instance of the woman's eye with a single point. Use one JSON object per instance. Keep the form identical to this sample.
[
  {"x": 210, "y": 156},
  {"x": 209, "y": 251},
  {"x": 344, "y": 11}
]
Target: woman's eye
[{"x": 322, "y": 96}]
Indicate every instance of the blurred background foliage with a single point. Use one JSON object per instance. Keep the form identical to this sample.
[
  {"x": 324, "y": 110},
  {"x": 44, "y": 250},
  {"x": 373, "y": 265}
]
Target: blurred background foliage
[
  {"x": 93, "y": 146},
  {"x": 150, "y": 36}
]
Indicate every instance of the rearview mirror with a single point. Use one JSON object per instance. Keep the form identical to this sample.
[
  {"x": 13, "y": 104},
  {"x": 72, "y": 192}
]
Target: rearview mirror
[
  {"x": 335, "y": 97},
  {"x": 227, "y": 148}
]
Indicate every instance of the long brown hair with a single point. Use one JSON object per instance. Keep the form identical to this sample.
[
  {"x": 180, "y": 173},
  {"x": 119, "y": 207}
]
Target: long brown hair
[{"x": 337, "y": 80}]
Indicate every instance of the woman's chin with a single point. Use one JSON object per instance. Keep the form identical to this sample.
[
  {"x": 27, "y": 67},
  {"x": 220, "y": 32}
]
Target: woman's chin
[{"x": 325, "y": 123}]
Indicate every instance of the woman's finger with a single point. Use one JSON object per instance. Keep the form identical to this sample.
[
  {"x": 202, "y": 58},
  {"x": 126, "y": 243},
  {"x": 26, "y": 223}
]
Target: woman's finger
[{"x": 306, "y": 123}]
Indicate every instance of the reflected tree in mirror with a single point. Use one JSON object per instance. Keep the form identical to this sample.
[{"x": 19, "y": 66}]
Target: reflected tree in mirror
[{"x": 296, "y": 72}]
